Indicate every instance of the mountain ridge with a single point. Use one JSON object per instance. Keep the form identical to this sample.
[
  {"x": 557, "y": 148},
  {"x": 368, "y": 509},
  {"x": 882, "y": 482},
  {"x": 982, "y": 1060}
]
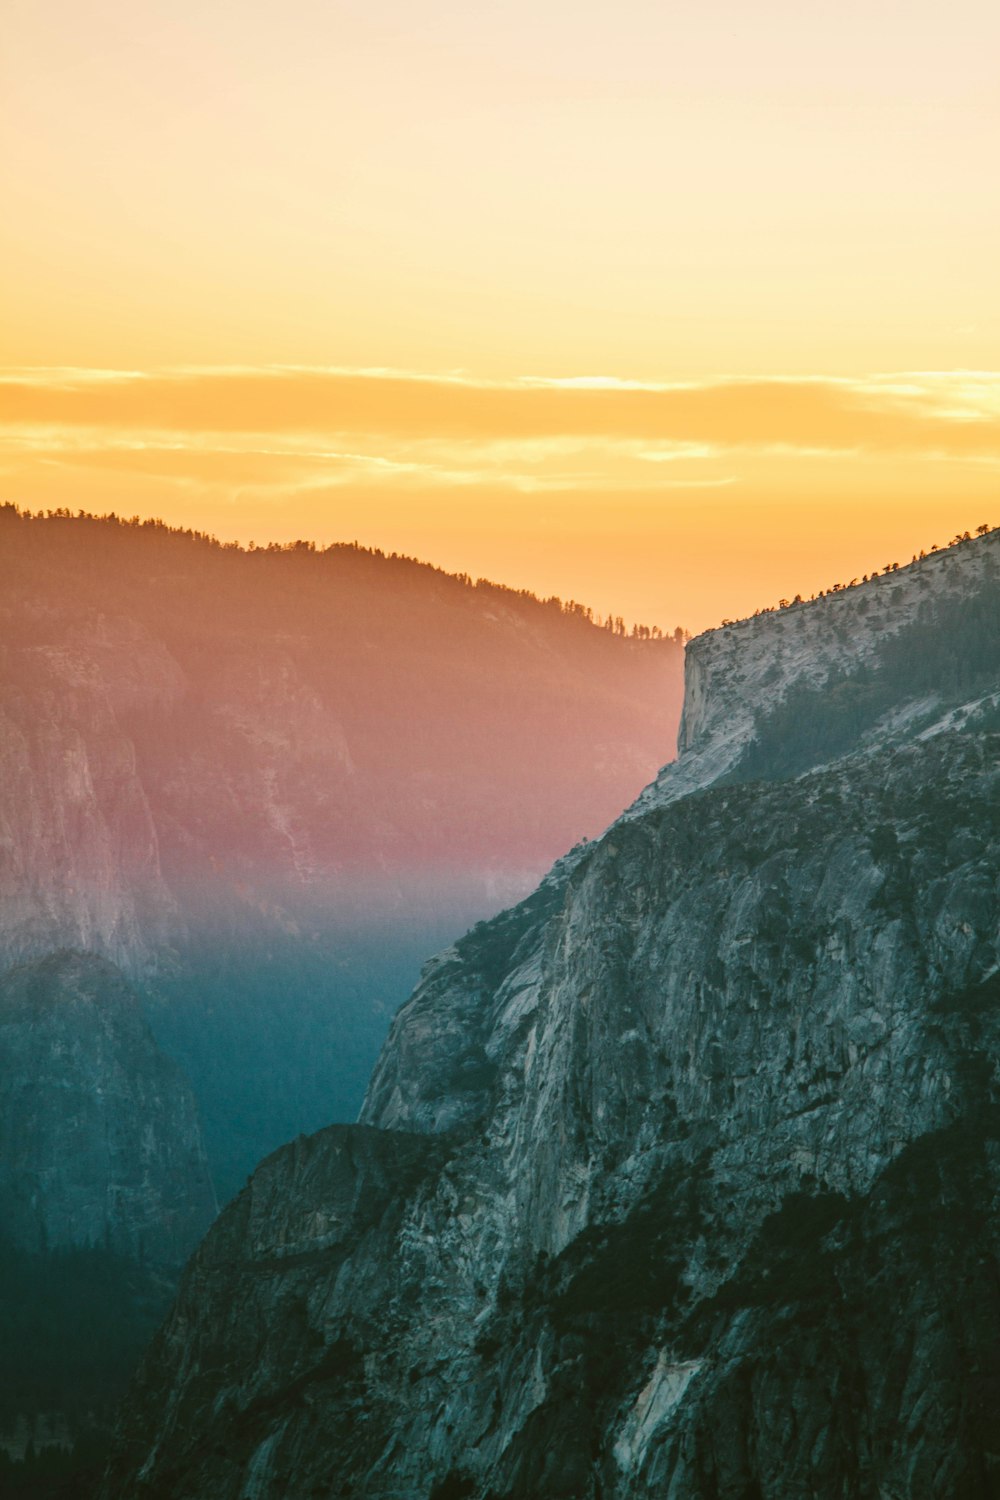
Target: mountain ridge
[{"x": 693, "y": 1099}]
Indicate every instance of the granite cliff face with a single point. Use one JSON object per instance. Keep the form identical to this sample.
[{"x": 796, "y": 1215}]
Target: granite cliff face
[
  {"x": 680, "y": 1179},
  {"x": 730, "y": 673},
  {"x": 735, "y": 677},
  {"x": 100, "y": 1144},
  {"x": 80, "y": 864}
]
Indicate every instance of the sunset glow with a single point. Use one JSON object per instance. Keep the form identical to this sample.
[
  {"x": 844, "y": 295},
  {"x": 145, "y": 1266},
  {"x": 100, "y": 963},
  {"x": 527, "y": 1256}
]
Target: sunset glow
[{"x": 675, "y": 311}]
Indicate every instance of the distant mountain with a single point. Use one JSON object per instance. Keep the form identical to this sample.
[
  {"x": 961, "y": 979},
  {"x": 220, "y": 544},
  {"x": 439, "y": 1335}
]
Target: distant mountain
[
  {"x": 104, "y": 1191},
  {"x": 266, "y": 784},
  {"x": 682, "y": 1177},
  {"x": 100, "y": 1143}
]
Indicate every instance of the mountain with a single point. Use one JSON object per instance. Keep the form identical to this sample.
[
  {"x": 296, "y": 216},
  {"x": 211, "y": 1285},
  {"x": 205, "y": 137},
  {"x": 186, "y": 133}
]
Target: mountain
[
  {"x": 681, "y": 1177},
  {"x": 267, "y": 783},
  {"x": 104, "y": 1191},
  {"x": 100, "y": 1144}
]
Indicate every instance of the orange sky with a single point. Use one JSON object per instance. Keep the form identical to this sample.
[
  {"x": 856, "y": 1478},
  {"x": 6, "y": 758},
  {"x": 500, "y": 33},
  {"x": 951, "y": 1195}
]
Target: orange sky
[{"x": 622, "y": 303}]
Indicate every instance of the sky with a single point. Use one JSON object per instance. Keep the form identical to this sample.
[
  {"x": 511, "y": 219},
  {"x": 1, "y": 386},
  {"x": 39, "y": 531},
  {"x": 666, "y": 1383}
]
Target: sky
[{"x": 672, "y": 308}]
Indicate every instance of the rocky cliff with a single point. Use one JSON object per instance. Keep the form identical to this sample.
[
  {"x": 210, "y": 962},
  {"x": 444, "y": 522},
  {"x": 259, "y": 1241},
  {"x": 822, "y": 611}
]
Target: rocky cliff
[
  {"x": 736, "y": 677},
  {"x": 679, "y": 1179},
  {"x": 100, "y": 1144}
]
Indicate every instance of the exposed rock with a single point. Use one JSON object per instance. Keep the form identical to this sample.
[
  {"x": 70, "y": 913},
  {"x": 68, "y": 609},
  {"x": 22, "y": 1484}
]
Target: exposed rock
[
  {"x": 735, "y": 675},
  {"x": 79, "y": 854}
]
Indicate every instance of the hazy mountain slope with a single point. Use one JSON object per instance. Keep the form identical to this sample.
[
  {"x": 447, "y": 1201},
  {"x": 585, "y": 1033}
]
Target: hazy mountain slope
[
  {"x": 104, "y": 1191},
  {"x": 268, "y": 784},
  {"x": 707, "y": 1204},
  {"x": 100, "y": 1144},
  {"x": 74, "y": 1324}
]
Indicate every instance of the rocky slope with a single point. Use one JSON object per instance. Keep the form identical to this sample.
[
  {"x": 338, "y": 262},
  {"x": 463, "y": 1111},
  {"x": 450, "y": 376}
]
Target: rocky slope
[
  {"x": 682, "y": 1178},
  {"x": 100, "y": 1143},
  {"x": 736, "y": 676},
  {"x": 267, "y": 784},
  {"x": 731, "y": 673},
  {"x": 104, "y": 1191}
]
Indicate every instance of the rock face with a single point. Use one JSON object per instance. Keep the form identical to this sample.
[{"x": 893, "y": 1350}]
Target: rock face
[
  {"x": 100, "y": 1144},
  {"x": 680, "y": 1179},
  {"x": 79, "y": 858},
  {"x": 734, "y": 676}
]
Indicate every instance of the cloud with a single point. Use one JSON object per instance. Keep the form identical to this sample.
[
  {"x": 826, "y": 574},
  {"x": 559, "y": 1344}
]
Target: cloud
[
  {"x": 933, "y": 413},
  {"x": 286, "y": 430}
]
